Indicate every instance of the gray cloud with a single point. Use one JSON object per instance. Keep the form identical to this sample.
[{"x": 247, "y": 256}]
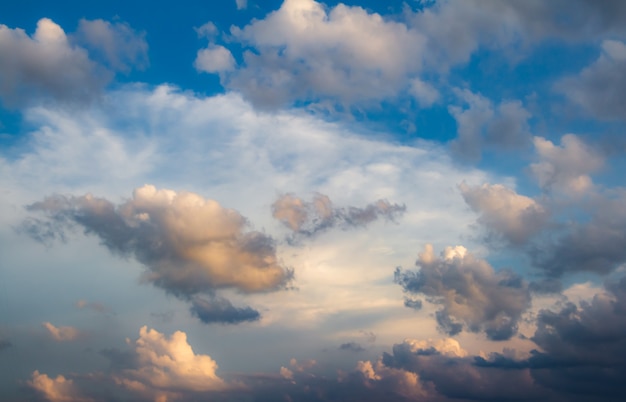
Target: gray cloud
[
  {"x": 473, "y": 296},
  {"x": 601, "y": 87},
  {"x": 597, "y": 245},
  {"x": 566, "y": 168},
  {"x": 307, "y": 219},
  {"x": 481, "y": 124},
  {"x": 116, "y": 44},
  {"x": 220, "y": 310},
  {"x": 49, "y": 66},
  {"x": 352, "y": 347},
  {"x": 583, "y": 348},
  {"x": 188, "y": 244},
  {"x": 504, "y": 213}
]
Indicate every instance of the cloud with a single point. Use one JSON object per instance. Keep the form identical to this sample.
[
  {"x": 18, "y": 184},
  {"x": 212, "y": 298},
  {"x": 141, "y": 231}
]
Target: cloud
[
  {"x": 58, "y": 389},
  {"x": 46, "y": 65},
  {"x": 352, "y": 347},
  {"x": 566, "y": 167},
  {"x": 504, "y": 213},
  {"x": 116, "y": 44},
  {"x": 599, "y": 88},
  {"x": 453, "y": 373},
  {"x": 95, "y": 306},
  {"x": 481, "y": 124},
  {"x": 304, "y": 52},
  {"x": 241, "y": 4},
  {"x": 596, "y": 245},
  {"x": 221, "y": 310},
  {"x": 307, "y": 219},
  {"x": 169, "y": 365},
  {"x": 425, "y": 94},
  {"x": 62, "y": 334},
  {"x": 214, "y": 59},
  {"x": 188, "y": 243},
  {"x": 473, "y": 296}
]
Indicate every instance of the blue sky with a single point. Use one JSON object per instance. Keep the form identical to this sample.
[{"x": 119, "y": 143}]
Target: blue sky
[{"x": 316, "y": 201}]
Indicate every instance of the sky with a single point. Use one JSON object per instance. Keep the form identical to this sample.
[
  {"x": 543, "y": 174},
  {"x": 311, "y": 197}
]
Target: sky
[{"x": 312, "y": 201}]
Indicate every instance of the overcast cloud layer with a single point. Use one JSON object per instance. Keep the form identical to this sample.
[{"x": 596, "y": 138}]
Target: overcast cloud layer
[{"x": 317, "y": 202}]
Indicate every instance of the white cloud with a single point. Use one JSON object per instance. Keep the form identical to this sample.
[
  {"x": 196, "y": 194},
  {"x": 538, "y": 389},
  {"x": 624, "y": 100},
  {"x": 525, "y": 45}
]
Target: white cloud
[
  {"x": 241, "y": 4},
  {"x": 214, "y": 59},
  {"x": 425, "y": 94},
  {"x": 61, "y": 334}
]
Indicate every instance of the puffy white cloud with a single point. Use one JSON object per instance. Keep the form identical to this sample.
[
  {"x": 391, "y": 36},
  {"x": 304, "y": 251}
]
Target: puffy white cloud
[
  {"x": 59, "y": 389},
  {"x": 214, "y": 59},
  {"x": 61, "y": 334},
  {"x": 170, "y": 364},
  {"x": 566, "y": 167},
  {"x": 504, "y": 212},
  {"x": 473, "y": 296}
]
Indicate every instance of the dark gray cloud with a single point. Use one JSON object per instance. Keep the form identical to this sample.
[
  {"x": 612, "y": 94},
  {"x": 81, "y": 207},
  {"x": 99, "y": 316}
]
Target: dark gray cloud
[
  {"x": 583, "y": 348},
  {"x": 308, "y": 218},
  {"x": 454, "y": 374},
  {"x": 352, "y": 347},
  {"x": 473, "y": 296},
  {"x": 220, "y": 310},
  {"x": 597, "y": 245}
]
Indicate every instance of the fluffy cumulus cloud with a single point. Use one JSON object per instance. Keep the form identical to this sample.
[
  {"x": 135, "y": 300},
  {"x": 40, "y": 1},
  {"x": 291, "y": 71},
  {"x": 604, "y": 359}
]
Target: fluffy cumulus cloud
[
  {"x": 188, "y": 243},
  {"x": 45, "y": 64},
  {"x": 303, "y": 51},
  {"x": 61, "y": 334},
  {"x": 167, "y": 365},
  {"x": 566, "y": 167},
  {"x": 49, "y": 64},
  {"x": 59, "y": 389},
  {"x": 504, "y": 213},
  {"x": 473, "y": 296},
  {"x": 214, "y": 59},
  {"x": 307, "y": 218}
]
